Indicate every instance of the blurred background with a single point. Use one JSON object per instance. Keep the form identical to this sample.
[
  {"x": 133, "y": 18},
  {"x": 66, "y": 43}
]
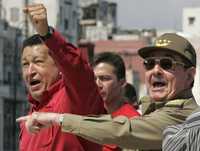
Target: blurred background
[{"x": 121, "y": 26}]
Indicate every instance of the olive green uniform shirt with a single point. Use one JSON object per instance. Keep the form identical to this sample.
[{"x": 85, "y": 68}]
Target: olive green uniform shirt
[{"x": 143, "y": 133}]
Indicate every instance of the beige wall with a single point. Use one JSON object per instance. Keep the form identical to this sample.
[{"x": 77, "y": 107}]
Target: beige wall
[{"x": 196, "y": 88}]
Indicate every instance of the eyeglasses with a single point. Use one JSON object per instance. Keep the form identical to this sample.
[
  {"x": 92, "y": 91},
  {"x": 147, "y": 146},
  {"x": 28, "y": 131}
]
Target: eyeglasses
[{"x": 164, "y": 62}]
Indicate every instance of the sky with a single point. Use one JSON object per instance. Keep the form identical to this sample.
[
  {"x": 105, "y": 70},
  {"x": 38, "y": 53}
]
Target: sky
[{"x": 159, "y": 14}]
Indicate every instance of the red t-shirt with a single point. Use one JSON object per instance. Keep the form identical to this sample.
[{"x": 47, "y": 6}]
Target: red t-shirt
[{"x": 125, "y": 110}]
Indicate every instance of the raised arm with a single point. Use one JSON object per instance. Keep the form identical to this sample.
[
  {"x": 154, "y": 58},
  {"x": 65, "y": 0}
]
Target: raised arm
[{"x": 78, "y": 75}]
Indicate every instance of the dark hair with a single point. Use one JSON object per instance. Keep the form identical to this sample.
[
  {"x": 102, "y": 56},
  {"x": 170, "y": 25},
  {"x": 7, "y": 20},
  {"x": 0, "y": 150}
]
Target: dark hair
[
  {"x": 113, "y": 59},
  {"x": 31, "y": 41},
  {"x": 130, "y": 93}
]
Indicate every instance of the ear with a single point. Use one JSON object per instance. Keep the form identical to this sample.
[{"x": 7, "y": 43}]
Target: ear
[
  {"x": 122, "y": 82},
  {"x": 191, "y": 74}
]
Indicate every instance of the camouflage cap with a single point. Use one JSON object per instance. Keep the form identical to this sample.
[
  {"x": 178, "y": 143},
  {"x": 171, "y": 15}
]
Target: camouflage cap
[{"x": 172, "y": 42}]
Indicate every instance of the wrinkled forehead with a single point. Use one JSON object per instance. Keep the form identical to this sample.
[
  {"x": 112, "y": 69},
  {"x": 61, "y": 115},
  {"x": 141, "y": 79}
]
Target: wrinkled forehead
[{"x": 39, "y": 50}]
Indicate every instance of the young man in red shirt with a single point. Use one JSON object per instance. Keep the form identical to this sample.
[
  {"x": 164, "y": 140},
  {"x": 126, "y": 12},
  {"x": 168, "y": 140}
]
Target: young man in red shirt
[{"x": 110, "y": 77}]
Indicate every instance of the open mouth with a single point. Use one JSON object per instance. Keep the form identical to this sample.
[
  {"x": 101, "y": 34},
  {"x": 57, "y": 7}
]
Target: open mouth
[
  {"x": 158, "y": 84},
  {"x": 34, "y": 82}
]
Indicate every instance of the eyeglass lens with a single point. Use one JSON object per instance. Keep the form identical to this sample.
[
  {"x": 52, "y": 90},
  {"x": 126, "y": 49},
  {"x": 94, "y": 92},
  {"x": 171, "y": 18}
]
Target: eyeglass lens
[{"x": 164, "y": 63}]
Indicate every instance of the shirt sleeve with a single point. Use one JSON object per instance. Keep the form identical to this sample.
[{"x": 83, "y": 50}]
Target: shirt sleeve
[
  {"x": 141, "y": 132},
  {"x": 69, "y": 60},
  {"x": 78, "y": 76}
]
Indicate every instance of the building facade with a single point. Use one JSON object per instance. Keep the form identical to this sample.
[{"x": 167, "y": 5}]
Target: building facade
[
  {"x": 62, "y": 14},
  {"x": 98, "y": 19},
  {"x": 12, "y": 92}
]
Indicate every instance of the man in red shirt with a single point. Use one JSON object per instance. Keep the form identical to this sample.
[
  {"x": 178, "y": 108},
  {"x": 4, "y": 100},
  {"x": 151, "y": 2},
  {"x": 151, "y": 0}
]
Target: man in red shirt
[
  {"x": 58, "y": 79},
  {"x": 110, "y": 76}
]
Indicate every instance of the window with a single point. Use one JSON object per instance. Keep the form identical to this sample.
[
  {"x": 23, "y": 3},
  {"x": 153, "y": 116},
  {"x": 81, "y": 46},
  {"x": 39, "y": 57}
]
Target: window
[
  {"x": 68, "y": 2},
  {"x": 191, "y": 20},
  {"x": 7, "y": 78},
  {"x": 61, "y": 15},
  {"x": 90, "y": 12},
  {"x": 74, "y": 21},
  {"x": 66, "y": 24}
]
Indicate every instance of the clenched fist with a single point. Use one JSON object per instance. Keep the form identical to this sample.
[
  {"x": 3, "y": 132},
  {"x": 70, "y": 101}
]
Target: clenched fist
[{"x": 38, "y": 16}]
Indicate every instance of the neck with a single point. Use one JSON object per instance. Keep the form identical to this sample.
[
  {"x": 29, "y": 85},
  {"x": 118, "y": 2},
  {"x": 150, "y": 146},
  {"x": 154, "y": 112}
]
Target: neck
[
  {"x": 113, "y": 105},
  {"x": 187, "y": 93}
]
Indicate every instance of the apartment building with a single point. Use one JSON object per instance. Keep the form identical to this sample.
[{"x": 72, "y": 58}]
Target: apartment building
[
  {"x": 62, "y": 14},
  {"x": 98, "y": 19},
  {"x": 12, "y": 92}
]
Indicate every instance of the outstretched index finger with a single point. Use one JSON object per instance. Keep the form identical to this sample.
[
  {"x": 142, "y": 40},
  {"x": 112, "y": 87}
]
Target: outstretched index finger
[{"x": 22, "y": 118}]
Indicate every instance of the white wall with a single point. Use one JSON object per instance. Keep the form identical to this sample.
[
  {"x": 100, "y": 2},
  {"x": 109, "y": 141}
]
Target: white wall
[
  {"x": 191, "y": 28},
  {"x": 192, "y": 32},
  {"x": 196, "y": 88}
]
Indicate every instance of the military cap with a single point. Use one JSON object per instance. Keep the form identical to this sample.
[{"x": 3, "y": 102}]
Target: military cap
[{"x": 172, "y": 42}]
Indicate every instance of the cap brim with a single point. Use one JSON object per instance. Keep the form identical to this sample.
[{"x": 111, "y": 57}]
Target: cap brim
[{"x": 144, "y": 52}]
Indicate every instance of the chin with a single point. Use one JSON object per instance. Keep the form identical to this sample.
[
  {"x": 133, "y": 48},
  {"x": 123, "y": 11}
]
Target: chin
[
  {"x": 37, "y": 95},
  {"x": 158, "y": 98},
  {"x": 37, "y": 98}
]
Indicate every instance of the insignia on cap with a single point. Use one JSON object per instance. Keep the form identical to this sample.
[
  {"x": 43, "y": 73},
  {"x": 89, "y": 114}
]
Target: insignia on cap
[{"x": 162, "y": 43}]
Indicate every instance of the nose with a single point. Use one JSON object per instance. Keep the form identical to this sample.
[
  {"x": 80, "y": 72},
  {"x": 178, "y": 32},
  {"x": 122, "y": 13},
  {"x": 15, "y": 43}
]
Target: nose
[
  {"x": 99, "y": 83},
  {"x": 157, "y": 69},
  {"x": 31, "y": 70}
]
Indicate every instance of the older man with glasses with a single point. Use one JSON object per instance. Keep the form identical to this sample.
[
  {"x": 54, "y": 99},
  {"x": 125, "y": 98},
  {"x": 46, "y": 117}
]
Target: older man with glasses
[{"x": 170, "y": 69}]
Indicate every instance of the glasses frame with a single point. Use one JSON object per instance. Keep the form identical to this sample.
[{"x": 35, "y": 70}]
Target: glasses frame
[{"x": 157, "y": 60}]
